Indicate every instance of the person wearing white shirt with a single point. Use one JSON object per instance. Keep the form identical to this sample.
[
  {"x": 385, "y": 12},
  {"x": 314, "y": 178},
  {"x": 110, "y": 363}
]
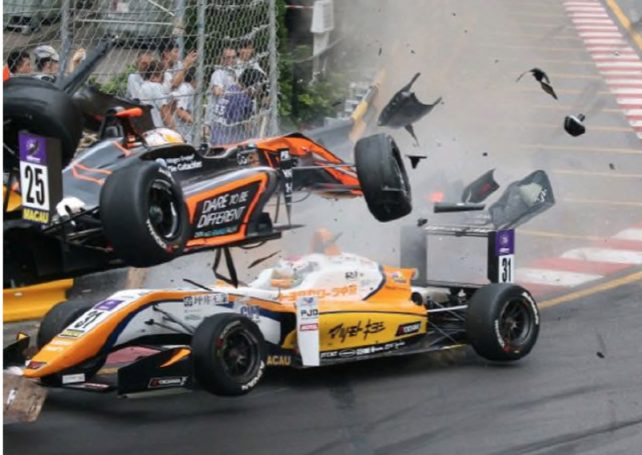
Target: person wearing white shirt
[
  {"x": 153, "y": 93},
  {"x": 221, "y": 80},
  {"x": 246, "y": 58},
  {"x": 174, "y": 69},
  {"x": 135, "y": 80},
  {"x": 184, "y": 96}
]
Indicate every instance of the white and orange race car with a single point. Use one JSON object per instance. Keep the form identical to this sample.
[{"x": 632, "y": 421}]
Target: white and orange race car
[{"x": 320, "y": 309}]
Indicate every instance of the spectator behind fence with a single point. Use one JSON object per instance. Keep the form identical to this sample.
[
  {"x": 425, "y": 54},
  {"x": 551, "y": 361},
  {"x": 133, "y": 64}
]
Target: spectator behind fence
[
  {"x": 153, "y": 93},
  {"x": 246, "y": 58},
  {"x": 222, "y": 79},
  {"x": 19, "y": 62},
  {"x": 47, "y": 62},
  {"x": 184, "y": 96},
  {"x": 135, "y": 80},
  {"x": 234, "y": 108},
  {"x": 174, "y": 69}
]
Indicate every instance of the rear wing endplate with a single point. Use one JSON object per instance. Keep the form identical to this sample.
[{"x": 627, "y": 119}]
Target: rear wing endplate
[{"x": 500, "y": 249}]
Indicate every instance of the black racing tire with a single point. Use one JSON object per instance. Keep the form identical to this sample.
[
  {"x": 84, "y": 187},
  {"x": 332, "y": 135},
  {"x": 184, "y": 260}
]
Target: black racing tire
[
  {"x": 53, "y": 323},
  {"x": 144, "y": 215},
  {"x": 229, "y": 354},
  {"x": 383, "y": 177},
  {"x": 41, "y": 108},
  {"x": 502, "y": 322}
]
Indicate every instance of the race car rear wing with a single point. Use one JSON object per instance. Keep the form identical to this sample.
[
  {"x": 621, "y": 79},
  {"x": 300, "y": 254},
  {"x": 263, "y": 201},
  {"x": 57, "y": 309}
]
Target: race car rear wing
[{"x": 500, "y": 261}]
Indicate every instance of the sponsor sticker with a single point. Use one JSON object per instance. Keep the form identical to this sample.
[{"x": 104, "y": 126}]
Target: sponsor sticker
[
  {"x": 409, "y": 329},
  {"x": 73, "y": 378},
  {"x": 279, "y": 360},
  {"x": 71, "y": 333},
  {"x": 343, "y": 332},
  {"x": 224, "y": 212},
  {"x": 108, "y": 305},
  {"x": 309, "y": 327},
  {"x": 169, "y": 381}
]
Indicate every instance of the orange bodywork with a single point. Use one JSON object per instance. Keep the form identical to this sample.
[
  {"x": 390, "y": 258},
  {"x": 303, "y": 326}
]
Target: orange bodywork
[
  {"x": 300, "y": 146},
  {"x": 192, "y": 203}
]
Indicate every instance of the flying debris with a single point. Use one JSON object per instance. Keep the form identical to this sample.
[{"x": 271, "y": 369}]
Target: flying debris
[
  {"x": 573, "y": 125},
  {"x": 541, "y": 77},
  {"x": 480, "y": 189},
  {"x": 415, "y": 159},
  {"x": 404, "y": 109},
  {"x": 612, "y": 166},
  {"x": 380, "y": 50},
  {"x": 263, "y": 259},
  {"x": 422, "y": 222}
]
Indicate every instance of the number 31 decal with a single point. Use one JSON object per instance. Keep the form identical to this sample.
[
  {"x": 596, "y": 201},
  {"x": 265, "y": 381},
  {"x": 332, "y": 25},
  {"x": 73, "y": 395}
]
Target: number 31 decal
[{"x": 506, "y": 268}]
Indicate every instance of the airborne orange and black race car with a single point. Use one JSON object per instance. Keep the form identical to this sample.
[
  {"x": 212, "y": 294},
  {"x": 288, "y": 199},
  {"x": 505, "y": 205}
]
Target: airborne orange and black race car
[
  {"x": 146, "y": 204},
  {"x": 141, "y": 196}
]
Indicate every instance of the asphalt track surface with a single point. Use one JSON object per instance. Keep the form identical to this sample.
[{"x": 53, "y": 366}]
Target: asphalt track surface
[{"x": 580, "y": 390}]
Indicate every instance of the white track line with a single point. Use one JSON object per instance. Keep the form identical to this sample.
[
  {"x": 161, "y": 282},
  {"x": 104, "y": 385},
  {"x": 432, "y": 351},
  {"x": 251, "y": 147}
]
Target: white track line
[
  {"x": 627, "y": 91},
  {"x": 605, "y": 255},
  {"x": 552, "y": 277},
  {"x": 629, "y": 234}
]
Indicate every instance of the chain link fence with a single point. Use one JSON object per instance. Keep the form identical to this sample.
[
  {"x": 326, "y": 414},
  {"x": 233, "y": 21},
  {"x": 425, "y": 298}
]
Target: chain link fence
[{"x": 218, "y": 58}]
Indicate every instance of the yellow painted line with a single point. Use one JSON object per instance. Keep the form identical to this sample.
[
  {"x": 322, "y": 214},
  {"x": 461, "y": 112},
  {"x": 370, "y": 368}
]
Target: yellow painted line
[
  {"x": 577, "y": 148},
  {"x": 603, "y": 202},
  {"x": 592, "y": 290},
  {"x": 611, "y": 174},
  {"x": 558, "y": 235},
  {"x": 626, "y": 23}
]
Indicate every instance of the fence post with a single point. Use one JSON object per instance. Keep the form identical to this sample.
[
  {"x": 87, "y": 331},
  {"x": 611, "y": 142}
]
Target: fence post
[
  {"x": 179, "y": 26},
  {"x": 200, "y": 72},
  {"x": 273, "y": 126},
  {"x": 66, "y": 36}
]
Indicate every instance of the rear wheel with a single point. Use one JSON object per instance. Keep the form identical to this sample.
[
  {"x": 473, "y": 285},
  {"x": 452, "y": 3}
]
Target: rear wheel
[
  {"x": 40, "y": 108},
  {"x": 54, "y": 322},
  {"x": 229, "y": 354},
  {"x": 144, "y": 214},
  {"x": 383, "y": 177},
  {"x": 502, "y": 322}
]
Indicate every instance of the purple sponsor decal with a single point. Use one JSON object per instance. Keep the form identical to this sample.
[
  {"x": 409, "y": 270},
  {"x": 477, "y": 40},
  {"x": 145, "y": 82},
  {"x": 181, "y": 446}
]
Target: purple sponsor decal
[
  {"x": 504, "y": 242},
  {"x": 108, "y": 305},
  {"x": 32, "y": 148}
]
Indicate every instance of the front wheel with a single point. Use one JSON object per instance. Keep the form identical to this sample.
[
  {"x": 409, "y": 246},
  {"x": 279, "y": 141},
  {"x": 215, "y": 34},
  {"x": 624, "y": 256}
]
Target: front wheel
[
  {"x": 55, "y": 321},
  {"x": 229, "y": 354},
  {"x": 383, "y": 178},
  {"x": 144, "y": 215},
  {"x": 502, "y": 322}
]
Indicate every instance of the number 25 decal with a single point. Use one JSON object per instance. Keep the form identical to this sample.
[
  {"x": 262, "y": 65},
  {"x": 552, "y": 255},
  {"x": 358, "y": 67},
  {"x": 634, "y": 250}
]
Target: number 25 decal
[{"x": 35, "y": 183}]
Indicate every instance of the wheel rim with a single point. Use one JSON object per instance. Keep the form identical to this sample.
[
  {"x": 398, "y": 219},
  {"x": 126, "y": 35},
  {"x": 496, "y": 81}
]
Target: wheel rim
[
  {"x": 515, "y": 323},
  {"x": 239, "y": 353},
  {"x": 163, "y": 210}
]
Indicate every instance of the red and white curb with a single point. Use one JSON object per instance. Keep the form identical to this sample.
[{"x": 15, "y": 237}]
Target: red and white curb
[
  {"x": 580, "y": 266},
  {"x": 614, "y": 57}
]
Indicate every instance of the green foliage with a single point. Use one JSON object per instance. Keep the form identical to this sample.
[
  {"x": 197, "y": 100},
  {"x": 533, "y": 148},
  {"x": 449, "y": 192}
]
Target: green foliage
[
  {"x": 117, "y": 85},
  {"x": 304, "y": 103}
]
